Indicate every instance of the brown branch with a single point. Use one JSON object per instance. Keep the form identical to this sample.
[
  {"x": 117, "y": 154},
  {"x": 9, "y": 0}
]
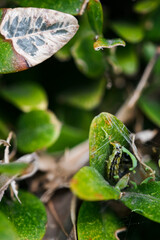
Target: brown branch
[{"x": 126, "y": 112}]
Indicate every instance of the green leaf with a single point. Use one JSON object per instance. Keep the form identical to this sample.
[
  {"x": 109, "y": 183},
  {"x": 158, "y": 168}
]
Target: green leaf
[
  {"x": 13, "y": 168},
  {"x": 102, "y": 43},
  {"x": 123, "y": 182},
  {"x": 90, "y": 62},
  {"x": 27, "y": 96},
  {"x": 148, "y": 50},
  {"x": 3, "y": 130},
  {"x": 95, "y": 16},
  {"x": 69, "y": 137},
  {"x": 145, "y": 200},
  {"x": 28, "y": 218},
  {"x": 152, "y": 26},
  {"x": 151, "y": 109},
  {"x": 8, "y": 57},
  {"x": 36, "y": 130},
  {"x": 97, "y": 221},
  {"x": 127, "y": 60},
  {"x": 68, "y": 6},
  {"x": 149, "y": 104},
  {"x": 86, "y": 98},
  {"x": 130, "y": 32},
  {"x": 7, "y": 231},
  {"x": 88, "y": 184},
  {"x": 22, "y": 45},
  {"x": 105, "y": 128},
  {"x": 146, "y": 6}
]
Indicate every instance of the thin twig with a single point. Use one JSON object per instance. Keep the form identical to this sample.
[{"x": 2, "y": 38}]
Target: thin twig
[
  {"x": 126, "y": 111},
  {"x": 55, "y": 215},
  {"x": 6, "y": 152},
  {"x": 83, "y": 7},
  {"x": 14, "y": 146},
  {"x": 73, "y": 215}
]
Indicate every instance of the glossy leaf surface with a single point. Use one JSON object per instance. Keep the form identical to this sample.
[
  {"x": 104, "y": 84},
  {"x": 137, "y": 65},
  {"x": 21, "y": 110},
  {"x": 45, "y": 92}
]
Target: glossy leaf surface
[
  {"x": 26, "y": 96},
  {"x": 69, "y": 137},
  {"x": 144, "y": 200},
  {"x": 146, "y": 6},
  {"x": 96, "y": 219},
  {"x": 88, "y": 184},
  {"x": 29, "y": 218},
  {"x": 129, "y": 31},
  {"x": 95, "y": 16},
  {"x": 3, "y": 129},
  {"x": 105, "y": 128},
  {"x": 13, "y": 168},
  {"x": 127, "y": 60},
  {"x": 90, "y": 62},
  {"x": 10, "y": 234},
  {"x": 68, "y": 6},
  {"x": 37, "y": 130},
  {"x": 149, "y": 104},
  {"x": 86, "y": 98},
  {"x": 151, "y": 109}
]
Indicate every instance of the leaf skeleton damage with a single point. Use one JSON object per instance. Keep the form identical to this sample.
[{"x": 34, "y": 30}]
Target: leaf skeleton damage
[{"x": 37, "y": 33}]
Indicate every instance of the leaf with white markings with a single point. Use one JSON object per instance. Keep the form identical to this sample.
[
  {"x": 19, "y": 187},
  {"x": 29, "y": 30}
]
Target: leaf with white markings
[{"x": 31, "y": 35}]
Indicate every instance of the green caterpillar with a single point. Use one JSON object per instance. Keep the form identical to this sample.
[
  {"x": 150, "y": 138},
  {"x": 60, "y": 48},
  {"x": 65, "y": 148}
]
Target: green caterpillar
[{"x": 120, "y": 162}]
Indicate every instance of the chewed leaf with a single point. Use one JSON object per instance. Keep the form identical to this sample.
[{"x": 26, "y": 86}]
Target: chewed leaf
[
  {"x": 102, "y": 43},
  {"x": 36, "y": 34}
]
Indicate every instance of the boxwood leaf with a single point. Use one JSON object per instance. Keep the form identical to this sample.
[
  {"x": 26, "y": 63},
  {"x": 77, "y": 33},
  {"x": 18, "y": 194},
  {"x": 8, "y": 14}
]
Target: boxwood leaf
[
  {"x": 68, "y": 6},
  {"x": 7, "y": 231},
  {"x": 146, "y": 6},
  {"x": 145, "y": 200},
  {"x": 29, "y": 218},
  {"x": 13, "y": 168},
  {"x": 152, "y": 31},
  {"x": 95, "y": 16},
  {"x": 36, "y": 130},
  {"x": 90, "y": 62},
  {"x": 3, "y": 129},
  {"x": 130, "y": 32},
  {"x": 88, "y": 184},
  {"x": 102, "y": 43},
  {"x": 151, "y": 109},
  {"x": 149, "y": 104},
  {"x": 26, "y": 96},
  {"x": 69, "y": 137},
  {"x": 31, "y": 35},
  {"x": 127, "y": 60},
  {"x": 96, "y": 219},
  {"x": 86, "y": 98},
  {"x": 105, "y": 128}
]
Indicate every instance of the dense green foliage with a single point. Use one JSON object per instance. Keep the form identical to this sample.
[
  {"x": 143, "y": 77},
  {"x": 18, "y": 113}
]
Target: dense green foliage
[{"x": 71, "y": 96}]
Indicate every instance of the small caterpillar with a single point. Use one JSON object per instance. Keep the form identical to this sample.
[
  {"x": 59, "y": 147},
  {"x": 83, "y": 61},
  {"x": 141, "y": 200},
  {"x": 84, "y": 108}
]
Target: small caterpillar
[{"x": 120, "y": 162}]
